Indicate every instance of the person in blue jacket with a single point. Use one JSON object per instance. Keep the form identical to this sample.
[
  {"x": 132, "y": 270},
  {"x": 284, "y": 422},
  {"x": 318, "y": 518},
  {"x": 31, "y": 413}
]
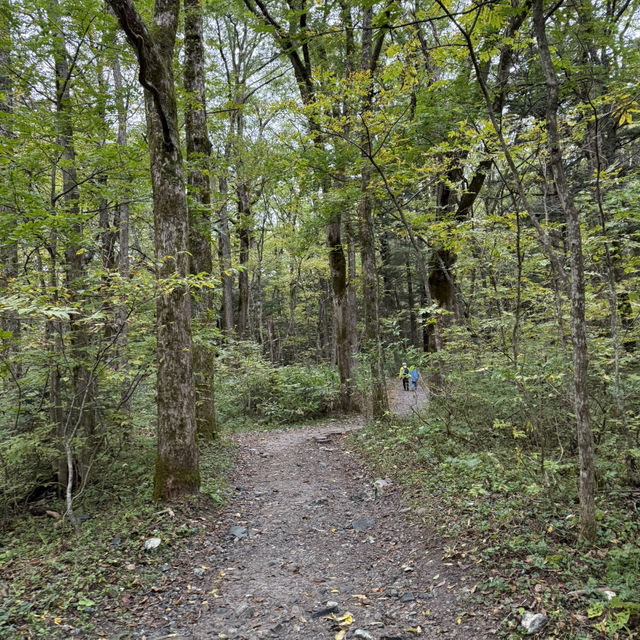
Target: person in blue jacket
[{"x": 414, "y": 374}]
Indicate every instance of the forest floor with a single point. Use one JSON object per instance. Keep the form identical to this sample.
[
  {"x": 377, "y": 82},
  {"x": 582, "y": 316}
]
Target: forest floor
[{"x": 310, "y": 546}]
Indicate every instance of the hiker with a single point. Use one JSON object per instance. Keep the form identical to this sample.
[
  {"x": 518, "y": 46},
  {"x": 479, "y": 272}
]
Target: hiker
[
  {"x": 414, "y": 374},
  {"x": 404, "y": 375}
]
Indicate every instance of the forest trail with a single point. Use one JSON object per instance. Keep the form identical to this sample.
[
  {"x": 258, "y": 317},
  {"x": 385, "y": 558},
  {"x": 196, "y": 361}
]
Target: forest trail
[{"x": 307, "y": 547}]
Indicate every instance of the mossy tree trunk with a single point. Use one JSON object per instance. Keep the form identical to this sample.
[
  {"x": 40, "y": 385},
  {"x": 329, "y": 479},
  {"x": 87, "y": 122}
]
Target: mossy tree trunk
[
  {"x": 199, "y": 190},
  {"x": 177, "y": 470}
]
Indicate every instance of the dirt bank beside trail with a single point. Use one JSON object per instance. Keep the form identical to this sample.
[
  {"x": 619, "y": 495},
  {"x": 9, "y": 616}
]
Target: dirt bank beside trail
[{"x": 307, "y": 548}]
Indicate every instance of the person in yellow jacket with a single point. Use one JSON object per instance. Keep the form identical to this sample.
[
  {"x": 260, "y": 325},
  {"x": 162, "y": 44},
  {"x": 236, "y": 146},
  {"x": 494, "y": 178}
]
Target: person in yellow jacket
[{"x": 405, "y": 375}]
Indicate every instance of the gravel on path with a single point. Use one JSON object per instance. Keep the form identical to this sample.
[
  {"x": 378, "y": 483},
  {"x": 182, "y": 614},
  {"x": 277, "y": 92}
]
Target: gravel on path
[{"x": 310, "y": 546}]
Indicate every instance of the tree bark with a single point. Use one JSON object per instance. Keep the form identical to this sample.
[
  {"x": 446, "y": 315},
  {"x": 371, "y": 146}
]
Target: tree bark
[
  {"x": 339, "y": 296},
  {"x": 224, "y": 249},
  {"x": 199, "y": 205},
  {"x": 413, "y": 325},
  {"x": 577, "y": 289},
  {"x": 244, "y": 236},
  {"x": 176, "y": 470}
]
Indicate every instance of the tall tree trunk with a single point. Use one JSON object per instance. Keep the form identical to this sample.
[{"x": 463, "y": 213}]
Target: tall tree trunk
[
  {"x": 199, "y": 190},
  {"x": 372, "y": 346},
  {"x": 244, "y": 235},
  {"x": 176, "y": 471},
  {"x": 577, "y": 290},
  {"x": 81, "y": 417},
  {"x": 351, "y": 242},
  {"x": 224, "y": 248},
  {"x": 389, "y": 300},
  {"x": 411, "y": 304},
  {"x": 341, "y": 319},
  {"x": 122, "y": 216},
  {"x": 9, "y": 322}
]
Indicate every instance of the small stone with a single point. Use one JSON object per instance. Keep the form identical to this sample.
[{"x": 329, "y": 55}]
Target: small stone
[
  {"x": 533, "y": 622},
  {"x": 608, "y": 594},
  {"x": 332, "y": 607},
  {"x": 362, "y": 524},
  {"x": 152, "y": 543},
  {"x": 245, "y": 610},
  {"x": 407, "y": 597},
  {"x": 361, "y": 633},
  {"x": 238, "y": 532},
  {"x": 199, "y": 572}
]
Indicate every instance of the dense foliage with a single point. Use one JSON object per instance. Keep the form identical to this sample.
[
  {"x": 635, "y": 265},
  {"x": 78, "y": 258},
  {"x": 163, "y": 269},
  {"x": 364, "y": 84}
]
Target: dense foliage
[{"x": 453, "y": 183}]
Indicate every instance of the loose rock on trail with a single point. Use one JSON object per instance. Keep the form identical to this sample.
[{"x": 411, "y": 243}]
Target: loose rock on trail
[{"x": 311, "y": 546}]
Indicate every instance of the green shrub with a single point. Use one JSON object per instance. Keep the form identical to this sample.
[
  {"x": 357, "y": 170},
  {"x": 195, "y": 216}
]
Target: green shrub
[{"x": 251, "y": 390}]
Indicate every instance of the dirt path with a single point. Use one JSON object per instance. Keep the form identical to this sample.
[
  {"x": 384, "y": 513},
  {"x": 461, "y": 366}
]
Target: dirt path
[
  {"x": 309, "y": 542},
  {"x": 406, "y": 402}
]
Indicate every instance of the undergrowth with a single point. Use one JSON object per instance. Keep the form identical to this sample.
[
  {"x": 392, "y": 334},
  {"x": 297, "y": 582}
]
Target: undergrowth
[
  {"x": 511, "y": 517},
  {"x": 53, "y": 584},
  {"x": 252, "y": 392}
]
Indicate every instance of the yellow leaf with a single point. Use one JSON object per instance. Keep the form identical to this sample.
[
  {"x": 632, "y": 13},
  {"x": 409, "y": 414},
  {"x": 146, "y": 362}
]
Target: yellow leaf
[
  {"x": 340, "y": 635},
  {"x": 335, "y": 591},
  {"x": 347, "y": 619},
  {"x": 550, "y": 528},
  {"x": 459, "y": 620},
  {"x": 57, "y": 620}
]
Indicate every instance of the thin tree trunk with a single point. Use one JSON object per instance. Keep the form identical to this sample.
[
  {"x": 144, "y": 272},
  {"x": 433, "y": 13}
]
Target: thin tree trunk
[
  {"x": 372, "y": 346},
  {"x": 80, "y": 419},
  {"x": 413, "y": 325},
  {"x": 389, "y": 303},
  {"x": 224, "y": 249},
  {"x": 9, "y": 322},
  {"x": 577, "y": 290},
  {"x": 244, "y": 235},
  {"x": 123, "y": 254},
  {"x": 273, "y": 340},
  {"x": 351, "y": 240}
]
